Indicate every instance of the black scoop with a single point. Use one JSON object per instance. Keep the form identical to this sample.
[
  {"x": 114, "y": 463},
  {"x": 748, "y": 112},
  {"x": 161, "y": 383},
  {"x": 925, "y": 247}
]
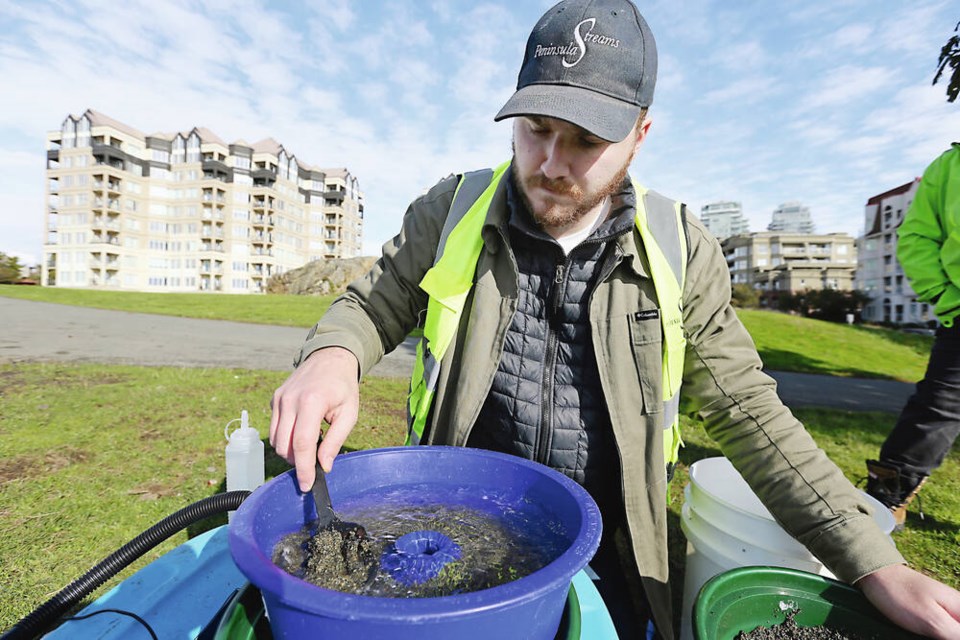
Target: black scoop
[{"x": 326, "y": 517}]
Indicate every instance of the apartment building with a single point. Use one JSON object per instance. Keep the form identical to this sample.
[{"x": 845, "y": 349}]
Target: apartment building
[
  {"x": 791, "y": 217},
  {"x": 790, "y": 262},
  {"x": 879, "y": 274},
  {"x": 724, "y": 219},
  {"x": 187, "y": 211}
]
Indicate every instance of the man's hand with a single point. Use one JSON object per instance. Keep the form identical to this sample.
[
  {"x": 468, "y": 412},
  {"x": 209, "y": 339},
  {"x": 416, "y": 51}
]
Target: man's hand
[
  {"x": 324, "y": 387},
  {"x": 914, "y": 601}
]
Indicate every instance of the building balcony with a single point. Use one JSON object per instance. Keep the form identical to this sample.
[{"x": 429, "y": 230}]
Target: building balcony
[
  {"x": 333, "y": 198},
  {"x": 268, "y": 175},
  {"x": 111, "y": 186},
  {"x": 211, "y": 232},
  {"x": 217, "y": 167},
  {"x": 108, "y": 154},
  {"x": 211, "y": 246},
  {"x": 219, "y": 199},
  {"x": 208, "y": 283},
  {"x": 260, "y": 271},
  {"x": 108, "y": 239},
  {"x": 106, "y": 225},
  {"x": 112, "y": 205}
]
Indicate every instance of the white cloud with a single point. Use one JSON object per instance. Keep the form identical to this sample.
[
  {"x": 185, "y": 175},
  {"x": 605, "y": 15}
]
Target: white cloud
[
  {"x": 847, "y": 84},
  {"x": 743, "y": 91},
  {"x": 740, "y": 56},
  {"x": 855, "y": 36},
  {"x": 829, "y": 102}
]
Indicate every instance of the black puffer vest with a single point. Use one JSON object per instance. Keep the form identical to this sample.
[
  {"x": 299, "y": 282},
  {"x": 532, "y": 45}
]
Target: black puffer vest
[{"x": 546, "y": 403}]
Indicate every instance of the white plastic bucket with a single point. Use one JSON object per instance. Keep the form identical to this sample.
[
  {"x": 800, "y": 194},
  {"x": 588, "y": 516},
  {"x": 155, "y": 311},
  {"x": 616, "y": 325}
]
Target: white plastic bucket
[{"x": 727, "y": 526}]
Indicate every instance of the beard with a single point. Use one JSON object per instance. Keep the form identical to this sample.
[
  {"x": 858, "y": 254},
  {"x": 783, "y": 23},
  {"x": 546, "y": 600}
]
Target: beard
[{"x": 556, "y": 215}]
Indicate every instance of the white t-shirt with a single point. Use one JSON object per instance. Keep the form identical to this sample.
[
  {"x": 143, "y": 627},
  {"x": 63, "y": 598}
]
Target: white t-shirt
[{"x": 569, "y": 241}]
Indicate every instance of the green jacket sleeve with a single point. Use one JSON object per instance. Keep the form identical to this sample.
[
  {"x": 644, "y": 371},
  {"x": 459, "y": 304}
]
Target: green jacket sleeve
[
  {"x": 928, "y": 245},
  {"x": 725, "y": 387},
  {"x": 379, "y": 310}
]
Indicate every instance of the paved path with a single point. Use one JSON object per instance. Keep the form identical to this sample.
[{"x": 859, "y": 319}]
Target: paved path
[{"x": 40, "y": 331}]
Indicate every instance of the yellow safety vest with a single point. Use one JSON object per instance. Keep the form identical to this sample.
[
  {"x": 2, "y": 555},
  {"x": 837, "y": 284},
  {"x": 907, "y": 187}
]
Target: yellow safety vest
[{"x": 449, "y": 281}]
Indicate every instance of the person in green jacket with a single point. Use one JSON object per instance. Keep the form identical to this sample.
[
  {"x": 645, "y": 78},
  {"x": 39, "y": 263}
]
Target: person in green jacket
[
  {"x": 929, "y": 250},
  {"x": 558, "y": 354}
]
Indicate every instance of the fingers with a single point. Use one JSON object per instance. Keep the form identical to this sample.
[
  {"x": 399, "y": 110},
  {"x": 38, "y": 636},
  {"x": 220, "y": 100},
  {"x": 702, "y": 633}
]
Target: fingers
[
  {"x": 295, "y": 429},
  {"x": 324, "y": 388},
  {"x": 341, "y": 424},
  {"x": 304, "y": 440},
  {"x": 914, "y": 601},
  {"x": 274, "y": 417}
]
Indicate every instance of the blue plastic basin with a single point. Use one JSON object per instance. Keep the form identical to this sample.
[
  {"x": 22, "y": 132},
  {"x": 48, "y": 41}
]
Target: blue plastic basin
[{"x": 530, "y": 607}]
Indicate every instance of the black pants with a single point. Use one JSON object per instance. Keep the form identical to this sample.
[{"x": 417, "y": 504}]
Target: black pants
[
  {"x": 618, "y": 585},
  {"x": 930, "y": 421}
]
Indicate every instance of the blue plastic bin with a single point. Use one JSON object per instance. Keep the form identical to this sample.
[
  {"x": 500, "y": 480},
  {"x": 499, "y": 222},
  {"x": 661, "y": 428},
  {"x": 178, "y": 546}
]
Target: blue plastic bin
[{"x": 529, "y": 608}]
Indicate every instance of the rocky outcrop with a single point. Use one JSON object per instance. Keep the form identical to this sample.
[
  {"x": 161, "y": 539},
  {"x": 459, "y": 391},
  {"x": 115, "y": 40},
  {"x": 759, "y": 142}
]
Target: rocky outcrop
[{"x": 321, "y": 277}]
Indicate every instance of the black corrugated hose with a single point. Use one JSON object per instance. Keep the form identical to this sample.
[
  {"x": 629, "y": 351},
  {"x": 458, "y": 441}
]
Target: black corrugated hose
[{"x": 49, "y": 612}]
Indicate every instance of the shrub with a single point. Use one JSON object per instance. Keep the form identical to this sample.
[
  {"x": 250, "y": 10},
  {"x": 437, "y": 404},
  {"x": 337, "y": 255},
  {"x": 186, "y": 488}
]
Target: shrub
[{"x": 744, "y": 296}]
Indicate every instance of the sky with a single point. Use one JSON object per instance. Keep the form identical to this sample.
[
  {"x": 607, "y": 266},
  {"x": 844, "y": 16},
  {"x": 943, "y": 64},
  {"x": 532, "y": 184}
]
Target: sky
[{"x": 828, "y": 102}]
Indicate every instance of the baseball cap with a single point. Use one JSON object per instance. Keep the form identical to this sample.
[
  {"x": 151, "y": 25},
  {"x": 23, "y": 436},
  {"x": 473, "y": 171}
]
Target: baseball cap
[{"x": 590, "y": 62}]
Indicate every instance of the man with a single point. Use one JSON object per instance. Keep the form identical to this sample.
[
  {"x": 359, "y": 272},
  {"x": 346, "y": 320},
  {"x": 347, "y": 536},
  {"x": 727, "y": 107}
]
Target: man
[
  {"x": 566, "y": 348},
  {"x": 929, "y": 250}
]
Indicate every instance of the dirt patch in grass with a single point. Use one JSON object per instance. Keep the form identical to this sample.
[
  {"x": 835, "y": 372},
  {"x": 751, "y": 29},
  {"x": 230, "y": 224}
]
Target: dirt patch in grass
[
  {"x": 152, "y": 491},
  {"x": 11, "y": 381},
  {"x": 151, "y": 434},
  {"x": 83, "y": 381},
  {"x": 30, "y": 466}
]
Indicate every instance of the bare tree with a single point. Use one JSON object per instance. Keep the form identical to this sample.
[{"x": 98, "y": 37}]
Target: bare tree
[{"x": 950, "y": 56}]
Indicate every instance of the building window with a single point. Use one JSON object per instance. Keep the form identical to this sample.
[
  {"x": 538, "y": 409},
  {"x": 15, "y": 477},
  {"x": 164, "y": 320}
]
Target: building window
[
  {"x": 193, "y": 148},
  {"x": 179, "y": 150},
  {"x": 68, "y": 134}
]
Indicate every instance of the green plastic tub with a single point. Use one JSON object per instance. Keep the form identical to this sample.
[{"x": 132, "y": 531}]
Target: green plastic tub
[{"x": 745, "y": 598}]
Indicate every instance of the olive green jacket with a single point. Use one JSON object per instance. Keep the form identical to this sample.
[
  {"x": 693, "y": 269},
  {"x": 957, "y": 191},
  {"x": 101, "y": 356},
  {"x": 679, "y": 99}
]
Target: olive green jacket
[{"x": 723, "y": 384}]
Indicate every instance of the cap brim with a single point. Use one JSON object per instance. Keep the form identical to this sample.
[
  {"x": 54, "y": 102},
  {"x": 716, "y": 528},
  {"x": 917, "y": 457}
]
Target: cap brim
[{"x": 601, "y": 115}]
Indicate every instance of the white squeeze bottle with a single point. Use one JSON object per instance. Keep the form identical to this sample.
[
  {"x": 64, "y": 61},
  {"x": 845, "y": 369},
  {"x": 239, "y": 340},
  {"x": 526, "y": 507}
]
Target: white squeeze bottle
[{"x": 244, "y": 454}]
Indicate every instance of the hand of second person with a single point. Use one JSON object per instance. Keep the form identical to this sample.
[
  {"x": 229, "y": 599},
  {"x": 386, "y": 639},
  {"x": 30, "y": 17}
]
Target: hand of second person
[
  {"x": 325, "y": 387},
  {"x": 914, "y": 601}
]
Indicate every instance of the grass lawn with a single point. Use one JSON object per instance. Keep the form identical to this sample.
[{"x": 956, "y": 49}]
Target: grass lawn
[
  {"x": 786, "y": 343},
  {"x": 804, "y": 345},
  {"x": 92, "y": 455},
  {"x": 285, "y": 310}
]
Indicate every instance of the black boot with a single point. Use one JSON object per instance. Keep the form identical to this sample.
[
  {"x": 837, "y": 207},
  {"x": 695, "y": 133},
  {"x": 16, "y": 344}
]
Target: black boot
[{"x": 894, "y": 490}]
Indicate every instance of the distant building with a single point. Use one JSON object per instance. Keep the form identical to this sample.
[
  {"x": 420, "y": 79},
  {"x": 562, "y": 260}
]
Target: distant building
[
  {"x": 775, "y": 263},
  {"x": 724, "y": 219},
  {"x": 186, "y": 211},
  {"x": 879, "y": 274},
  {"x": 791, "y": 217}
]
